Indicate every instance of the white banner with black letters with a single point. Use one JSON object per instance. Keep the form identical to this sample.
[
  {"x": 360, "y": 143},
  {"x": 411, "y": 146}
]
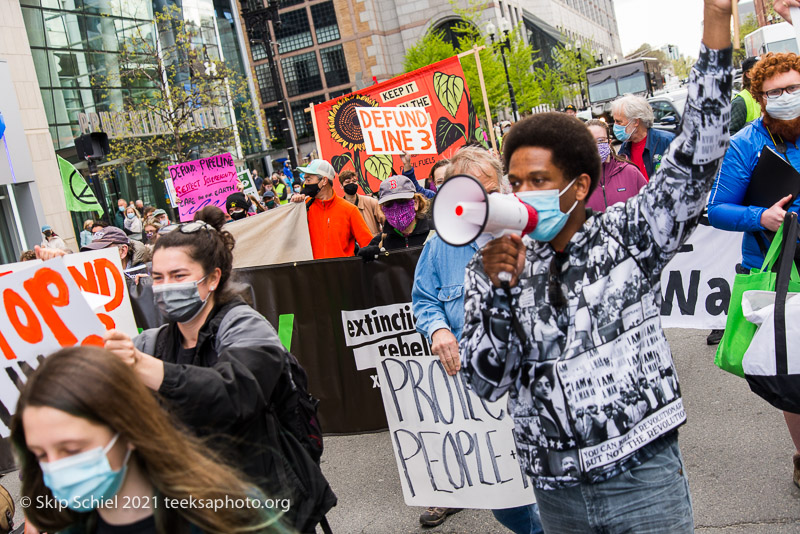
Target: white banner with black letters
[
  {"x": 696, "y": 285},
  {"x": 452, "y": 448}
]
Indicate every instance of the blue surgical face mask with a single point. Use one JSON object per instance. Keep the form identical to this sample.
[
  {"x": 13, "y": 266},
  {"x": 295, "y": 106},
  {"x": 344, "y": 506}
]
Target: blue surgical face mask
[
  {"x": 621, "y": 132},
  {"x": 83, "y": 480},
  {"x": 180, "y": 301},
  {"x": 548, "y": 207},
  {"x": 785, "y": 108}
]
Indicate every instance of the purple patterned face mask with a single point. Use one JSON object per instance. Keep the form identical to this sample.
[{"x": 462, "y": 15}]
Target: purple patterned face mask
[{"x": 400, "y": 214}]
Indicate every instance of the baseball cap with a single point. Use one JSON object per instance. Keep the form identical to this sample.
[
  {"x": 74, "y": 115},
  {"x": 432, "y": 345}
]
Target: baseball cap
[
  {"x": 396, "y": 188},
  {"x": 268, "y": 194},
  {"x": 570, "y": 106},
  {"x": 108, "y": 236},
  {"x": 159, "y": 212},
  {"x": 320, "y": 167}
]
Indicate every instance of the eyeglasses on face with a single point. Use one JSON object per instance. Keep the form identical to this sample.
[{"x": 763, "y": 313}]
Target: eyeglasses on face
[{"x": 777, "y": 92}]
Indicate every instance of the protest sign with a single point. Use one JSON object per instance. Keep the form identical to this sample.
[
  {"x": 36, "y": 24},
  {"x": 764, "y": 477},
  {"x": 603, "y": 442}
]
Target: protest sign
[
  {"x": 396, "y": 130},
  {"x": 452, "y": 448},
  {"x": 696, "y": 285},
  {"x": 41, "y": 310},
  {"x": 382, "y": 331},
  {"x": 438, "y": 89},
  {"x": 248, "y": 184},
  {"x": 203, "y": 182},
  {"x": 97, "y": 272}
]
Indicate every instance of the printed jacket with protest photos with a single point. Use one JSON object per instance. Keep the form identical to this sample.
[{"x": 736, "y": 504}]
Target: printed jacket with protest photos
[
  {"x": 592, "y": 385},
  {"x": 229, "y": 390},
  {"x": 335, "y": 226}
]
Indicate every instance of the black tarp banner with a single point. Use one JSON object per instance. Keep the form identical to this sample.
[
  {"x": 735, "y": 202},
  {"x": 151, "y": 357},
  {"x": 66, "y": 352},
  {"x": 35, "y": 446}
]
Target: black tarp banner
[{"x": 314, "y": 294}]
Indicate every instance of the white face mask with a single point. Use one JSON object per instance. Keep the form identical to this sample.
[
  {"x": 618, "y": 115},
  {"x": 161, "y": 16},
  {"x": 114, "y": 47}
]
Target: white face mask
[{"x": 785, "y": 108}]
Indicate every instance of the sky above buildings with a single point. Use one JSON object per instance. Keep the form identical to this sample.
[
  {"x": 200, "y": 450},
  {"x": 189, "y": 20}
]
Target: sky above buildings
[{"x": 660, "y": 22}]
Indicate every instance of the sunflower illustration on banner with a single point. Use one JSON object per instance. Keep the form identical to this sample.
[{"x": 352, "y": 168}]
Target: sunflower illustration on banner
[{"x": 438, "y": 88}]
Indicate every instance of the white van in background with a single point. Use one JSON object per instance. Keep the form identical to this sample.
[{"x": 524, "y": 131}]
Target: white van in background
[{"x": 772, "y": 38}]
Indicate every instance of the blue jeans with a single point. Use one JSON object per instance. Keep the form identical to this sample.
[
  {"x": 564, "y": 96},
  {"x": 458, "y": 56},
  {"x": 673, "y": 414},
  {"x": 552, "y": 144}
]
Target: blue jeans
[
  {"x": 652, "y": 498},
  {"x": 520, "y": 520}
]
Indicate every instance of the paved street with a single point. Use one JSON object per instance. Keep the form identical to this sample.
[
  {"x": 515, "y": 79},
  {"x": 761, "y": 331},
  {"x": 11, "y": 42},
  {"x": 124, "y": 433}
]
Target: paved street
[{"x": 736, "y": 448}]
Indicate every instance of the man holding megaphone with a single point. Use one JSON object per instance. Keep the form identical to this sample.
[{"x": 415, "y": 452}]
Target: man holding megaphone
[{"x": 606, "y": 305}]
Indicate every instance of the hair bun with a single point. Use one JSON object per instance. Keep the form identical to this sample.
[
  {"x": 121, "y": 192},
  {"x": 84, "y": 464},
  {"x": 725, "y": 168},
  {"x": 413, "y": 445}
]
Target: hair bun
[{"x": 211, "y": 215}]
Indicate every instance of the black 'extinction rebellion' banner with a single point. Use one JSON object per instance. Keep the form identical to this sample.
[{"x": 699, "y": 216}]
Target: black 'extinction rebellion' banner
[{"x": 311, "y": 297}]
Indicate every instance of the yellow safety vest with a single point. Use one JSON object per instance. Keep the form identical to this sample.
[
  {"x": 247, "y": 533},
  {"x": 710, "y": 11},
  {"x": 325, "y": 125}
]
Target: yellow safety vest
[
  {"x": 279, "y": 191},
  {"x": 753, "y": 107}
]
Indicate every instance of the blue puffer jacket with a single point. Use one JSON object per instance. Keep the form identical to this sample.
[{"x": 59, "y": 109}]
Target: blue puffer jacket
[
  {"x": 725, "y": 209},
  {"x": 656, "y": 148}
]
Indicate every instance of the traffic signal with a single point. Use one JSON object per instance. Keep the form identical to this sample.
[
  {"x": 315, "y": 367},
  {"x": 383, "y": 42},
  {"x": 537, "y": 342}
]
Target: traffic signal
[{"x": 92, "y": 146}]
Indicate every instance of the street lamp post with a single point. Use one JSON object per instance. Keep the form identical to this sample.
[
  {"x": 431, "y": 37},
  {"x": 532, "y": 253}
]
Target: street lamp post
[
  {"x": 505, "y": 45},
  {"x": 256, "y": 22},
  {"x": 580, "y": 72}
]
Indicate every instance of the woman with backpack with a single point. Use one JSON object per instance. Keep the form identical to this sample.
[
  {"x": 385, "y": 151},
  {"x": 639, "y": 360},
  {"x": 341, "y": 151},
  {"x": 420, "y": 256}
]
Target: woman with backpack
[
  {"x": 88, "y": 431},
  {"x": 222, "y": 370}
]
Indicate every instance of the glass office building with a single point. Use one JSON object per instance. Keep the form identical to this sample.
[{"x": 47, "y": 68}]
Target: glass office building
[{"x": 76, "y": 42}]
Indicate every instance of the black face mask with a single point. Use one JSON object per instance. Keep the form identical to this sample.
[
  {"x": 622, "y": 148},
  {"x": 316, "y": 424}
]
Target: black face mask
[
  {"x": 310, "y": 190},
  {"x": 351, "y": 189},
  {"x": 237, "y": 215},
  {"x": 275, "y": 182}
]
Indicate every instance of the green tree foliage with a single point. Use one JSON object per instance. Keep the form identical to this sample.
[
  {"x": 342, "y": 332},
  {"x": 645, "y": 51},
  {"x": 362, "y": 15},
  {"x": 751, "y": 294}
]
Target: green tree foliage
[
  {"x": 683, "y": 66},
  {"x": 182, "y": 88},
  {"x": 428, "y": 50},
  {"x": 519, "y": 57},
  {"x": 748, "y": 26}
]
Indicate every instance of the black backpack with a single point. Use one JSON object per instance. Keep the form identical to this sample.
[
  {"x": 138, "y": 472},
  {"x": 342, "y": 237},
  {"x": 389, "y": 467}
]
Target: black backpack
[{"x": 297, "y": 411}]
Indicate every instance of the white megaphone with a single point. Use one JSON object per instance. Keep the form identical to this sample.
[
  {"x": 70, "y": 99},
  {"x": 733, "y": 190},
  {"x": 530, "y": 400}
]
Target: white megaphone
[{"x": 463, "y": 210}]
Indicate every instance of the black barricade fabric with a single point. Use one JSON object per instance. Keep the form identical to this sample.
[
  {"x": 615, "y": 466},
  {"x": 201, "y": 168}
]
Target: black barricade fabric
[{"x": 316, "y": 293}]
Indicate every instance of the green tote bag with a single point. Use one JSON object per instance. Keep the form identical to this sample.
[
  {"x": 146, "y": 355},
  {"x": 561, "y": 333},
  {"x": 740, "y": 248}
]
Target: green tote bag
[{"x": 738, "y": 330}]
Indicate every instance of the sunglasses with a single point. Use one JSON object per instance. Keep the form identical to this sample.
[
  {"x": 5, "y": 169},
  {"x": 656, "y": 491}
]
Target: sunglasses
[{"x": 187, "y": 228}]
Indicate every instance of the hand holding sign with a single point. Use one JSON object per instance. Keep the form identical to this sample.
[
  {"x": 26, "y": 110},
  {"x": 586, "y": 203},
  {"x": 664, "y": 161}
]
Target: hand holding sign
[
  {"x": 44, "y": 253},
  {"x": 149, "y": 369}
]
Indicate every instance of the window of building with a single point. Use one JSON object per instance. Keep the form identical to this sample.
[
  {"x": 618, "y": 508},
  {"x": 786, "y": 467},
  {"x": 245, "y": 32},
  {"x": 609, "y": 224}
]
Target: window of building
[
  {"x": 273, "y": 123},
  {"x": 259, "y": 51},
  {"x": 325, "y": 23},
  {"x": 265, "y": 85},
  {"x": 302, "y": 118},
  {"x": 295, "y": 32},
  {"x": 301, "y": 74},
  {"x": 334, "y": 66}
]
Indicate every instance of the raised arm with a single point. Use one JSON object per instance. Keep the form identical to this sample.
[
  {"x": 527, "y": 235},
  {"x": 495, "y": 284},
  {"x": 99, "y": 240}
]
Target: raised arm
[{"x": 654, "y": 224}]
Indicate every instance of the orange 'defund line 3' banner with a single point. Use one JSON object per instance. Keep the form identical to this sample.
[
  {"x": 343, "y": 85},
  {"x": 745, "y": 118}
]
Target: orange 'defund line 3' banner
[{"x": 439, "y": 88}]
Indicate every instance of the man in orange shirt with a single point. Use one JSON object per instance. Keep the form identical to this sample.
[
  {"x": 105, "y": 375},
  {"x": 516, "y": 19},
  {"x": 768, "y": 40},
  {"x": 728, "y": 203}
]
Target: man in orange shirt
[{"x": 334, "y": 225}]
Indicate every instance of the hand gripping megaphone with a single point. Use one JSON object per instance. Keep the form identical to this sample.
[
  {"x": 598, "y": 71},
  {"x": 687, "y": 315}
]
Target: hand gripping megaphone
[{"x": 463, "y": 210}]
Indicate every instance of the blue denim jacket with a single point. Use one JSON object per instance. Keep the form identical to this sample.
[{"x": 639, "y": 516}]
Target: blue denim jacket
[{"x": 438, "y": 292}]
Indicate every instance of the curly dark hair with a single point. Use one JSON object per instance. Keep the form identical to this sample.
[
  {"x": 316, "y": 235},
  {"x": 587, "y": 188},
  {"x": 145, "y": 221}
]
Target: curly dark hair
[
  {"x": 209, "y": 248},
  {"x": 770, "y": 65},
  {"x": 572, "y": 144}
]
